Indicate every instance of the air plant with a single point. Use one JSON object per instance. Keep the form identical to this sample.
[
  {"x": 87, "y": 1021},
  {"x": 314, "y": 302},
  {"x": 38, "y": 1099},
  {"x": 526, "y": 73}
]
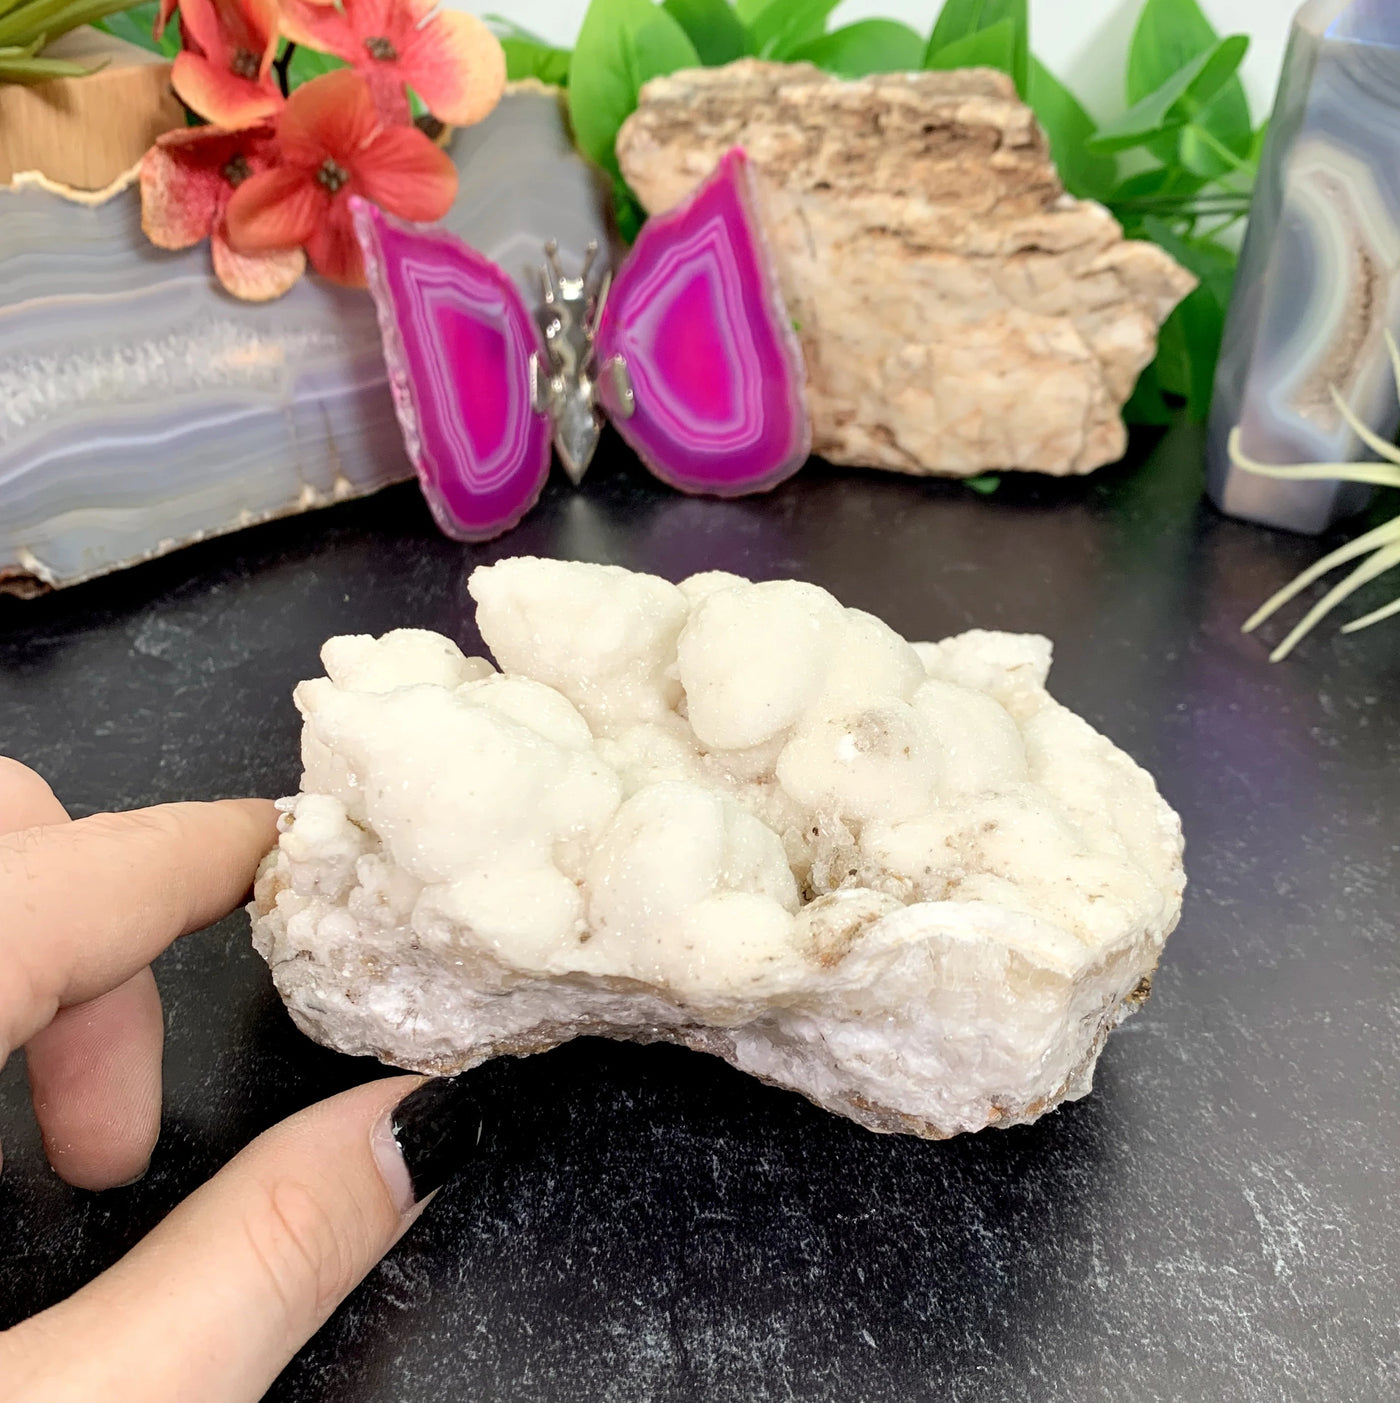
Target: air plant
[
  {"x": 1382, "y": 545},
  {"x": 27, "y": 26}
]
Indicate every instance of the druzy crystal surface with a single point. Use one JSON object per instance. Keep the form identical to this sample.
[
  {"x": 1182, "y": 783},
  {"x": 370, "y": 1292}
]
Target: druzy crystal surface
[{"x": 898, "y": 878}]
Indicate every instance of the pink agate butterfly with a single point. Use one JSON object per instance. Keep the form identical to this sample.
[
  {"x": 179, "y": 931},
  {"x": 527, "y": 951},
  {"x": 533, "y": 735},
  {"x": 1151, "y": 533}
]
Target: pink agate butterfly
[{"x": 688, "y": 350}]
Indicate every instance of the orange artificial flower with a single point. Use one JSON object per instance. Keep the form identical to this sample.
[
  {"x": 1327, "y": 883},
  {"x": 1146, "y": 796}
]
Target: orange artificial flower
[
  {"x": 332, "y": 144},
  {"x": 451, "y": 60},
  {"x": 187, "y": 180},
  {"x": 225, "y": 73}
]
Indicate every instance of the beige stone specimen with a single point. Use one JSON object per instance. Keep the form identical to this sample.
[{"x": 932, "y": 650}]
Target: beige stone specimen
[
  {"x": 958, "y": 311},
  {"x": 899, "y": 879}
]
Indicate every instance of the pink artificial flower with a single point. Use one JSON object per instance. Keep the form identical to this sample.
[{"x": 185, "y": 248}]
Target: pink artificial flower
[
  {"x": 187, "y": 180},
  {"x": 225, "y": 72},
  {"x": 332, "y": 144},
  {"x": 451, "y": 60}
]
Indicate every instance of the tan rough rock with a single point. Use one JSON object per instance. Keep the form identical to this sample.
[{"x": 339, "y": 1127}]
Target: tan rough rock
[{"x": 958, "y": 311}]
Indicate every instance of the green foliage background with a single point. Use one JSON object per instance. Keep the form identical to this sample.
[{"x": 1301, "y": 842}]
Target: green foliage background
[{"x": 1177, "y": 168}]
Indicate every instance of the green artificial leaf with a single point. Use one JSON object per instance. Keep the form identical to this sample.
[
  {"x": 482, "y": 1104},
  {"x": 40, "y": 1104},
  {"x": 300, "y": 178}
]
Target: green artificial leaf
[
  {"x": 622, "y": 45},
  {"x": 1202, "y": 152},
  {"x": 1173, "y": 194},
  {"x": 1203, "y": 322},
  {"x": 1213, "y": 263},
  {"x": 1148, "y": 404},
  {"x": 137, "y": 26},
  {"x": 1173, "y": 358},
  {"x": 1189, "y": 350},
  {"x": 504, "y": 28},
  {"x": 987, "y": 48},
  {"x": 1158, "y": 183},
  {"x": 1169, "y": 35},
  {"x": 627, "y": 211},
  {"x": 869, "y": 46},
  {"x": 307, "y": 64},
  {"x": 528, "y": 58},
  {"x": 782, "y": 26},
  {"x": 1179, "y": 101},
  {"x": 713, "y": 28},
  {"x": 529, "y": 55},
  {"x": 984, "y": 485},
  {"x": 960, "y": 20},
  {"x": 1069, "y": 127},
  {"x": 1190, "y": 341}
]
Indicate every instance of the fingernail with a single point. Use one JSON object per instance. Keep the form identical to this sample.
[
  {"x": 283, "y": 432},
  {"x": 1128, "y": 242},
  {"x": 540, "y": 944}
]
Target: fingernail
[{"x": 429, "y": 1135}]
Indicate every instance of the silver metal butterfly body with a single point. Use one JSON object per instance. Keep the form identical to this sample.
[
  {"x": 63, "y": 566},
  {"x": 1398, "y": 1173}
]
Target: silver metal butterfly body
[{"x": 568, "y": 390}]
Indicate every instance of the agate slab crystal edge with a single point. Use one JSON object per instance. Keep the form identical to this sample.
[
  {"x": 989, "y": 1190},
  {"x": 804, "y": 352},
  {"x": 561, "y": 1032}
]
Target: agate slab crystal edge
[
  {"x": 717, "y": 382},
  {"x": 688, "y": 349},
  {"x": 144, "y": 409},
  {"x": 458, "y": 343}
]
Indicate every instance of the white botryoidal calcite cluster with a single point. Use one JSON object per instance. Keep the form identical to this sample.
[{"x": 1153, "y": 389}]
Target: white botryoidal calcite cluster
[{"x": 897, "y": 878}]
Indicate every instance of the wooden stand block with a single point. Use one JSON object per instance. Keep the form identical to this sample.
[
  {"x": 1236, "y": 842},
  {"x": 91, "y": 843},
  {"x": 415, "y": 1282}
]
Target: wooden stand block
[{"x": 86, "y": 132}]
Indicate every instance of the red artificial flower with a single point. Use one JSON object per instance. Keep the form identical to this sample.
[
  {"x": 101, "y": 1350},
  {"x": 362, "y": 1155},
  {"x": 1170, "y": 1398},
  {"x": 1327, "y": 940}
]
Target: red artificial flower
[
  {"x": 225, "y": 72},
  {"x": 333, "y": 145},
  {"x": 163, "y": 17},
  {"x": 187, "y": 180},
  {"x": 451, "y": 60}
]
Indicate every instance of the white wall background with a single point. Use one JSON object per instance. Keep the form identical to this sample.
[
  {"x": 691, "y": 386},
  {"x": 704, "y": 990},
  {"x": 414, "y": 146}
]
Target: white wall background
[{"x": 1083, "y": 41}]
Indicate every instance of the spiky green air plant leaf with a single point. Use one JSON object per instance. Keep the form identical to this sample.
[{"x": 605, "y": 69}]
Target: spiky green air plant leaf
[
  {"x": 27, "y": 25},
  {"x": 1382, "y": 545},
  {"x": 19, "y": 65}
]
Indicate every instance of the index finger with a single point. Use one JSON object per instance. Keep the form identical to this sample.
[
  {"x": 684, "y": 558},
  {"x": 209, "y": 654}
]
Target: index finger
[
  {"x": 85, "y": 905},
  {"x": 26, "y": 801}
]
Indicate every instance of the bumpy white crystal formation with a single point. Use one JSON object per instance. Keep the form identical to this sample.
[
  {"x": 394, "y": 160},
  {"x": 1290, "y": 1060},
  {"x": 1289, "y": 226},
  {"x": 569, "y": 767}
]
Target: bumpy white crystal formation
[{"x": 897, "y": 878}]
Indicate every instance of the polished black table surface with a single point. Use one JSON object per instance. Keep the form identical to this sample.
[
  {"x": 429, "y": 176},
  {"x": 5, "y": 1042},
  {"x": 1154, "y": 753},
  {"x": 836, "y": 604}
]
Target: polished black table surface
[{"x": 1218, "y": 1221}]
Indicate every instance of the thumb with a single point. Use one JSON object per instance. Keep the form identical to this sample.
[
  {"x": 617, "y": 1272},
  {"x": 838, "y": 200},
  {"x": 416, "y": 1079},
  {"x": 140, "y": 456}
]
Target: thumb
[{"x": 215, "y": 1302}]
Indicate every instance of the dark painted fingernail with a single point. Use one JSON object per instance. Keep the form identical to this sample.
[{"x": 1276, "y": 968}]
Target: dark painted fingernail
[{"x": 438, "y": 1128}]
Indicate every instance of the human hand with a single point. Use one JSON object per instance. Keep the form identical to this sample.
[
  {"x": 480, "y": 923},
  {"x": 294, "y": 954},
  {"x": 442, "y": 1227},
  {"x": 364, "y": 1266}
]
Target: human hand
[{"x": 215, "y": 1301}]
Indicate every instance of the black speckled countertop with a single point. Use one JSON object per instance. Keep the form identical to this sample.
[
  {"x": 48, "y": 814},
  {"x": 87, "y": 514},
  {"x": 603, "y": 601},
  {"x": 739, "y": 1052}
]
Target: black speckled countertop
[{"x": 1217, "y": 1222}]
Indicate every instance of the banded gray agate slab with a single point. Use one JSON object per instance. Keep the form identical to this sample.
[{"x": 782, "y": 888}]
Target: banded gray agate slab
[
  {"x": 1319, "y": 279},
  {"x": 142, "y": 408}
]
